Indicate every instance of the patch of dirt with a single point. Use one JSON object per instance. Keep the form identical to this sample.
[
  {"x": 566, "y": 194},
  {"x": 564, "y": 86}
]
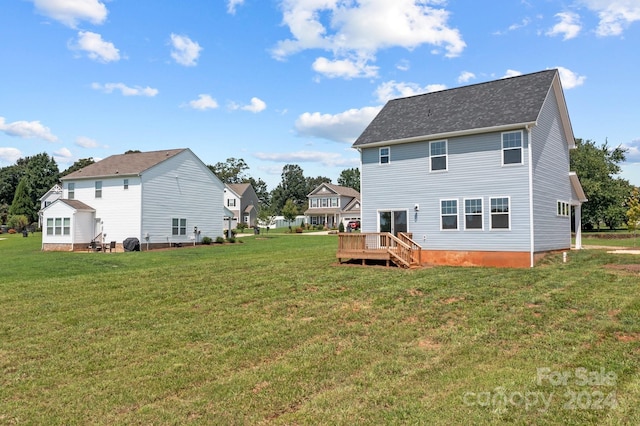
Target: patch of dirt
[
  {"x": 632, "y": 267},
  {"x": 633, "y": 337},
  {"x": 428, "y": 343},
  {"x": 415, "y": 292},
  {"x": 451, "y": 300}
]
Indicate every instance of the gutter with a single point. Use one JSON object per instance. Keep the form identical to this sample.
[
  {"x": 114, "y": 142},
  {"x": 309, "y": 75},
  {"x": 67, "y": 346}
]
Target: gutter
[{"x": 531, "y": 236}]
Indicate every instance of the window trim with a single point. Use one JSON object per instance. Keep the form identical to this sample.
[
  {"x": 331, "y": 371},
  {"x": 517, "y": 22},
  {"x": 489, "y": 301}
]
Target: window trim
[
  {"x": 445, "y": 155},
  {"x": 387, "y": 155},
  {"x": 71, "y": 190},
  {"x": 503, "y": 149},
  {"x": 456, "y": 215},
  {"x": 481, "y": 214},
  {"x": 229, "y": 204},
  {"x": 98, "y": 189},
  {"x": 508, "y": 213},
  {"x": 125, "y": 184},
  {"x": 563, "y": 209},
  {"x": 179, "y": 229}
]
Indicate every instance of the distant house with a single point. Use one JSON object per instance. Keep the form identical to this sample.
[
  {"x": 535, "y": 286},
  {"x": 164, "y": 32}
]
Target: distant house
[
  {"x": 331, "y": 204},
  {"x": 243, "y": 201},
  {"x": 478, "y": 175},
  {"x": 161, "y": 198}
]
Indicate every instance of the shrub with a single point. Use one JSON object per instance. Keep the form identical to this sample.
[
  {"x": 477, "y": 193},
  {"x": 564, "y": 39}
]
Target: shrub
[
  {"x": 219, "y": 240},
  {"x": 18, "y": 221},
  {"x": 341, "y": 227},
  {"x": 231, "y": 240},
  {"x": 206, "y": 240},
  {"x": 299, "y": 230},
  {"x": 12, "y": 231},
  {"x": 241, "y": 227}
]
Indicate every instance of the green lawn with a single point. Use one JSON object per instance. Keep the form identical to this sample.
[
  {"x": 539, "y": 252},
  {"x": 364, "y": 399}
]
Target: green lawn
[{"x": 270, "y": 331}]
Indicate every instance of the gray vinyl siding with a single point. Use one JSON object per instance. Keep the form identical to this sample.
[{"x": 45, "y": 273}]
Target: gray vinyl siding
[
  {"x": 550, "y": 179},
  {"x": 474, "y": 171},
  {"x": 181, "y": 187}
]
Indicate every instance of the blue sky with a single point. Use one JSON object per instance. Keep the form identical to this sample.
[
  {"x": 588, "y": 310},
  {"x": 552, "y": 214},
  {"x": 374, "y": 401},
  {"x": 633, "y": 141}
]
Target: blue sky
[{"x": 280, "y": 82}]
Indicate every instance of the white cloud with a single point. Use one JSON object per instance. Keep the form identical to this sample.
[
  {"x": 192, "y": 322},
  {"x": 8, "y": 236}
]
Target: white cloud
[
  {"x": 633, "y": 151},
  {"x": 343, "y": 127},
  {"x": 345, "y": 29},
  {"x": 466, "y": 76},
  {"x": 185, "y": 51},
  {"x": 125, "y": 90},
  {"x": 97, "y": 49},
  {"x": 569, "y": 25},
  {"x": 70, "y": 12},
  {"x": 570, "y": 79},
  {"x": 615, "y": 15},
  {"x": 511, "y": 73},
  {"x": 513, "y": 27},
  {"x": 393, "y": 89},
  {"x": 63, "y": 154},
  {"x": 256, "y": 105},
  {"x": 86, "y": 142},
  {"x": 232, "y": 4},
  {"x": 27, "y": 130},
  {"x": 10, "y": 155},
  {"x": 345, "y": 68},
  {"x": 327, "y": 159},
  {"x": 203, "y": 102}
]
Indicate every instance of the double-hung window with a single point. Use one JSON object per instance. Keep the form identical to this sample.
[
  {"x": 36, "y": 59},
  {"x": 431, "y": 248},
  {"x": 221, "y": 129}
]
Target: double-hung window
[
  {"x": 385, "y": 155},
  {"x": 125, "y": 184},
  {"x": 178, "y": 226},
  {"x": 512, "y": 148},
  {"x": 449, "y": 214},
  {"x": 500, "y": 213},
  {"x": 59, "y": 226},
  {"x": 438, "y": 156},
  {"x": 71, "y": 189},
  {"x": 98, "y": 187},
  {"x": 231, "y": 202},
  {"x": 473, "y": 213}
]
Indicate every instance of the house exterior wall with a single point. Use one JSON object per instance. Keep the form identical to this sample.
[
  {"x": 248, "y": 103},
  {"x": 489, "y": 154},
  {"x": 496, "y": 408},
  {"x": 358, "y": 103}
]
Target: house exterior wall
[
  {"x": 550, "y": 180},
  {"x": 234, "y": 203},
  {"x": 181, "y": 187},
  {"x": 249, "y": 198},
  {"x": 475, "y": 170},
  {"x": 118, "y": 208}
]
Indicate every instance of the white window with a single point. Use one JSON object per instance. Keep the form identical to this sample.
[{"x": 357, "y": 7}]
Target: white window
[
  {"x": 98, "y": 189},
  {"x": 58, "y": 226},
  {"x": 438, "y": 156},
  {"x": 178, "y": 226},
  {"x": 385, "y": 155},
  {"x": 512, "y": 148},
  {"x": 500, "y": 214},
  {"x": 473, "y": 213},
  {"x": 314, "y": 202},
  {"x": 334, "y": 202},
  {"x": 449, "y": 214},
  {"x": 564, "y": 209},
  {"x": 71, "y": 190},
  {"x": 231, "y": 202}
]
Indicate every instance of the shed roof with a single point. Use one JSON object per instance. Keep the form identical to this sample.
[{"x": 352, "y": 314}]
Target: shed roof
[
  {"x": 132, "y": 163},
  {"x": 490, "y": 105}
]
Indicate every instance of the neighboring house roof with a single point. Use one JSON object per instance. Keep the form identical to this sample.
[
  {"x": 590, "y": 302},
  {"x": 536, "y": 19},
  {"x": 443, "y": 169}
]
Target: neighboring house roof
[
  {"x": 56, "y": 189},
  {"x": 238, "y": 188},
  {"x": 469, "y": 109},
  {"x": 124, "y": 164},
  {"x": 337, "y": 189}
]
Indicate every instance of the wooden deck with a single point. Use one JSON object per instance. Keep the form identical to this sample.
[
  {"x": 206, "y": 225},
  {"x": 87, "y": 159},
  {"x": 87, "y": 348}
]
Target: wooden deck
[{"x": 401, "y": 251}]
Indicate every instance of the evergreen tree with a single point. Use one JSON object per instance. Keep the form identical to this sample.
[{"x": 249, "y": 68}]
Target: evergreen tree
[{"x": 22, "y": 203}]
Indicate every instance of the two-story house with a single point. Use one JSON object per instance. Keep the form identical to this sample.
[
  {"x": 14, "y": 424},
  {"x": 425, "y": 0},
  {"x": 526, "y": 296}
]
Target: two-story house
[
  {"x": 479, "y": 175},
  {"x": 242, "y": 200},
  {"x": 160, "y": 198},
  {"x": 331, "y": 204}
]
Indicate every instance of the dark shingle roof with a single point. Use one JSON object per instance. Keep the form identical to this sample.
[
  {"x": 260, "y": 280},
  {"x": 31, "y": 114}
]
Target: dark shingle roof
[
  {"x": 77, "y": 205},
  {"x": 123, "y": 164},
  {"x": 496, "y": 103}
]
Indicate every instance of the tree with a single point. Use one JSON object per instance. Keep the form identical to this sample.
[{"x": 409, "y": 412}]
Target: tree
[
  {"x": 293, "y": 186},
  {"x": 290, "y": 211},
  {"x": 266, "y": 217},
  {"x": 22, "y": 203},
  {"x": 597, "y": 167},
  {"x": 232, "y": 171},
  {"x": 633, "y": 213},
  {"x": 80, "y": 164},
  {"x": 9, "y": 178},
  {"x": 350, "y": 178}
]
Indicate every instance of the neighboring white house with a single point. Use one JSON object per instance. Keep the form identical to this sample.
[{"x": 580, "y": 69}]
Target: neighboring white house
[
  {"x": 242, "y": 200},
  {"x": 479, "y": 175},
  {"x": 331, "y": 204},
  {"x": 159, "y": 197}
]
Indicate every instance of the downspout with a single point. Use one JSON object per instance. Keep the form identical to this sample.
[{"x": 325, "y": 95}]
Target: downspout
[
  {"x": 531, "y": 234},
  {"x": 73, "y": 233}
]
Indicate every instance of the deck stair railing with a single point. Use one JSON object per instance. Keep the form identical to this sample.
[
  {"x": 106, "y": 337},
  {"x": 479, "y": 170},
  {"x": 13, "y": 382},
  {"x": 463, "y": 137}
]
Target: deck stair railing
[{"x": 402, "y": 250}]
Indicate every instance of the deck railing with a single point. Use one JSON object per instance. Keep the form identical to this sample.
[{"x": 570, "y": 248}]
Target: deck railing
[{"x": 402, "y": 250}]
